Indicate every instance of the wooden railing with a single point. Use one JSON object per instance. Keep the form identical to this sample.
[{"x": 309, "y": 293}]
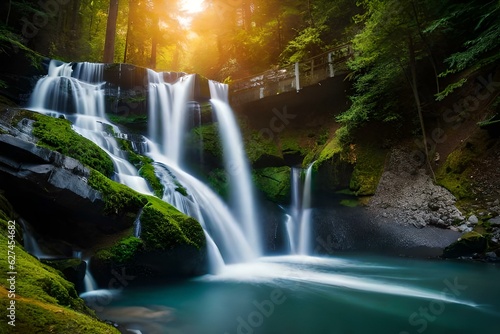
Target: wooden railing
[{"x": 290, "y": 78}]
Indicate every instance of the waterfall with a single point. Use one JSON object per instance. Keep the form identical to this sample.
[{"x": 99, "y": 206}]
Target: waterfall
[
  {"x": 88, "y": 281},
  {"x": 298, "y": 221},
  {"x": 76, "y": 91},
  {"x": 137, "y": 225},
  {"x": 242, "y": 194},
  {"x": 305, "y": 219},
  {"x": 231, "y": 234},
  {"x": 78, "y": 95},
  {"x": 167, "y": 109},
  {"x": 30, "y": 243}
]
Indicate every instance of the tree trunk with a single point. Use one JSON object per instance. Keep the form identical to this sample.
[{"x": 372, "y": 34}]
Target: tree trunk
[
  {"x": 109, "y": 44},
  {"x": 8, "y": 14},
  {"x": 154, "y": 42},
  {"x": 413, "y": 71},
  {"x": 247, "y": 15}
]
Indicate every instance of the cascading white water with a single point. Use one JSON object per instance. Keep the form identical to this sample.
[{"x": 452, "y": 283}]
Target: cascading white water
[
  {"x": 225, "y": 237},
  {"x": 298, "y": 223},
  {"x": 88, "y": 281},
  {"x": 305, "y": 219},
  {"x": 242, "y": 193},
  {"x": 167, "y": 113},
  {"x": 76, "y": 90},
  {"x": 79, "y": 96}
]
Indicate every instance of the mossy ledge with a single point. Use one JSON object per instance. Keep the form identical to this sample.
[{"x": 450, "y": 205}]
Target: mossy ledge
[
  {"x": 171, "y": 244},
  {"x": 56, "y": 134},
  {"x": 164, "y": 227},
  {"x": 45, "y": 302}
]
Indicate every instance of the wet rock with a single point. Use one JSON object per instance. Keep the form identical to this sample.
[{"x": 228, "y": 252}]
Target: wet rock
[
  {"x": 469, "y": 244},
  {"x": 473, "y": 220},
  {"x": 495, "y": 222}
]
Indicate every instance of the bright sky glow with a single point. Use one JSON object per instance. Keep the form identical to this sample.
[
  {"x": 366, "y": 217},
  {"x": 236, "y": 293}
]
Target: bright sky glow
[{"x": 192, "y": 6}]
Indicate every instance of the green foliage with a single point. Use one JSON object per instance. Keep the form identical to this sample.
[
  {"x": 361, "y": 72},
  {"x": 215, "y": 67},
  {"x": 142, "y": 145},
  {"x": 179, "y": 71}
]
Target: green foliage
[
  {"x": 126, "y": 120},
  {"x": 56, "y": 134},
  {"x": 308, "y": 43},
  {"x": 450, "y": 89}
]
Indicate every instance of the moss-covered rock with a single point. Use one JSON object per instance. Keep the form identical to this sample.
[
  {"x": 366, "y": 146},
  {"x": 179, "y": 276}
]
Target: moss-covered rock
[
  {"x": 469, "y": 244},
  {"x": 121, "y": 252},
  {"x": 262, "y": 152},
  {"x": 72, "y": 269},
  {"x": 144, "y": 165},
  {"x": 208, "y": 135},
  {"x": 333, "y": 166},
  {"x": 218, "y": 180},
  {"x": 119, "y": 199},
  {"x": 56, "y": 134},
  {"x": 368, "y": 169},
  {"x": 274, "y": 182},
  {"x": 45, "y": 301},
  {"x": 454, "y": 173},
  {"x": 171, "y": 245},
  {"x": 164, "y": 227}
]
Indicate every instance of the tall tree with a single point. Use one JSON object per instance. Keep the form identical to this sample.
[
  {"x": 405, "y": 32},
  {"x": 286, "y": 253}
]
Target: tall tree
[{"x": 109, "y": 44}]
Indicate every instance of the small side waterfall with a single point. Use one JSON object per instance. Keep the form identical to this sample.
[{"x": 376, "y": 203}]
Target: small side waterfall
[
  {"x": 30, "y": 243},
  {"x": 137, "y": 225},
  {"x": 88, "y": 281},
  {"x": 298, "y": 221}
]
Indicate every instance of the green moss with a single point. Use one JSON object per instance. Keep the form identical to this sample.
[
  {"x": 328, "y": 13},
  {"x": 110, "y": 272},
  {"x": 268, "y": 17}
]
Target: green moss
[
  {"x": 257, "y": 147},
  {"x": 127, "y": 120},
  {"x": 118, "y": 198},
  {"x": 165, "y": 228},
  {"x": 148, "y": 173},
  {"x": 454, "y": 173},
  {"x": 333, "y": 147},
  {"x": 56, "y": 134},
  {"x": 218, "y": 181},
  {"x": 209, "y": 135},
  {"x": 121, "y": 252},
  {"x": 145, "y": 166},
  {"x": 290, "y": 144},
  {"x": 350, "y": 203},
  {"x": 370, "y": 161},
  {"x": 467, "y": 245},
  {"x": 274, "y": 182}
]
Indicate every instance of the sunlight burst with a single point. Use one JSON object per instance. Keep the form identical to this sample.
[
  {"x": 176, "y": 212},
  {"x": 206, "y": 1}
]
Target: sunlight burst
[{"x": 192, "y": 6}]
